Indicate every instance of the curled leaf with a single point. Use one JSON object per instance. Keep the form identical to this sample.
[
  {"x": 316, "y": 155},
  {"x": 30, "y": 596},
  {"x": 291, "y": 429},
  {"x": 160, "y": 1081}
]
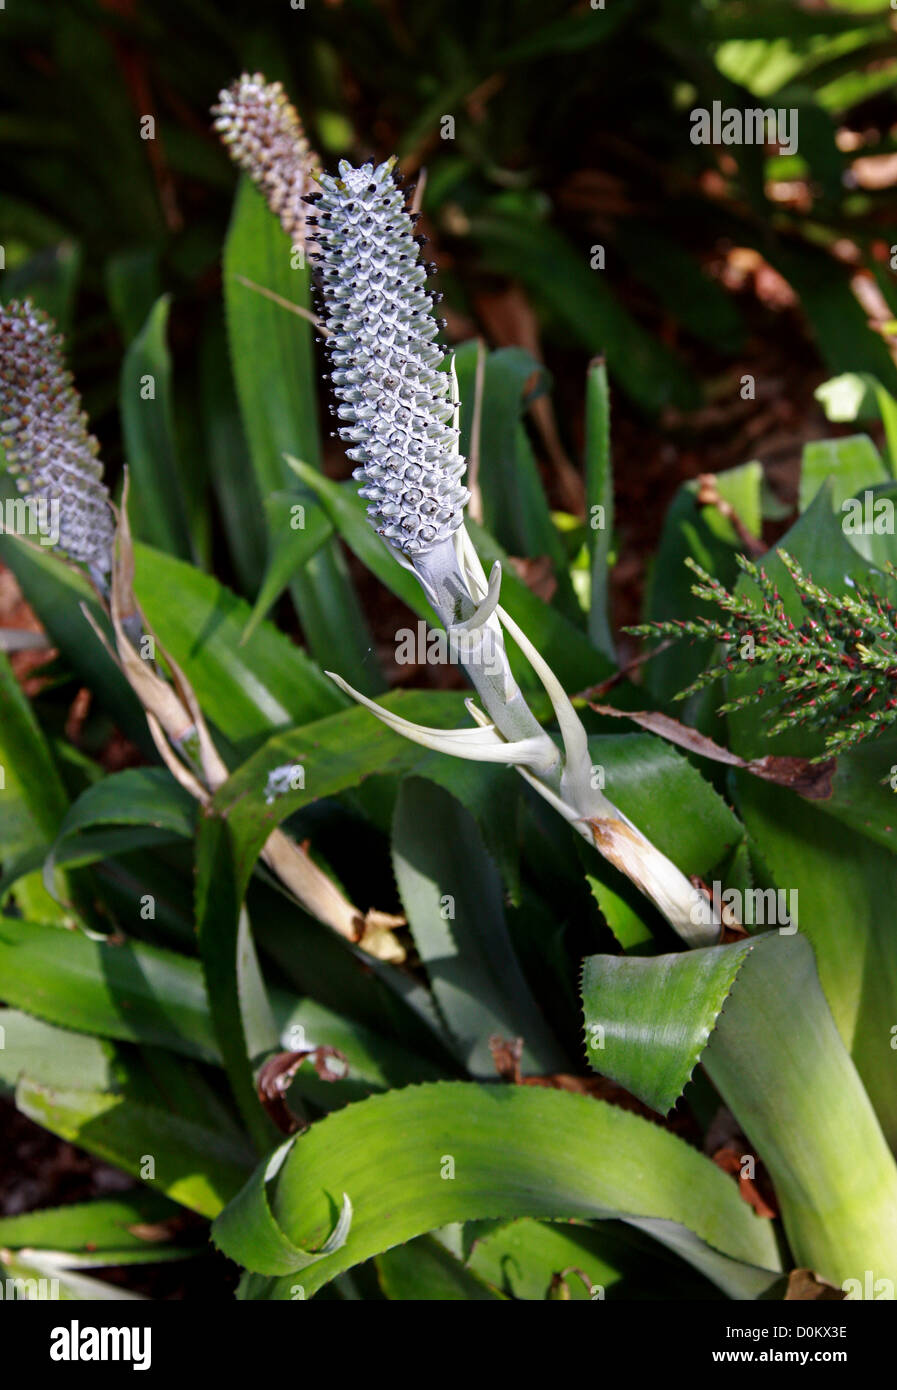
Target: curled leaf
[{"x": 247, "y": 1231}]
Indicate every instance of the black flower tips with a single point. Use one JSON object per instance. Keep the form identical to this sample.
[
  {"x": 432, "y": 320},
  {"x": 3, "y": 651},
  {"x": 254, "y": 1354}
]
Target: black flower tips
[
  {"x": 264, "y": 136},
  {"x": 44, "y": 435},
  {"x": 397, "y": 407}
]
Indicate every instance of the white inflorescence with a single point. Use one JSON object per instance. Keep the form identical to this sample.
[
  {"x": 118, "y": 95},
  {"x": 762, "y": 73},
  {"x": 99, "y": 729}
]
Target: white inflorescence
[
  {"x": 44, "y": 435},
  {"x": 264, "y": 135},
  {"x": 396, "y": 403}
]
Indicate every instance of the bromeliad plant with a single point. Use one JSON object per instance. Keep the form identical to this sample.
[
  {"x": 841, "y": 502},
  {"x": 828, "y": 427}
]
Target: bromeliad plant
[
  {"x": 185, "y": 976},
  {"x": 402, "y": 415}
]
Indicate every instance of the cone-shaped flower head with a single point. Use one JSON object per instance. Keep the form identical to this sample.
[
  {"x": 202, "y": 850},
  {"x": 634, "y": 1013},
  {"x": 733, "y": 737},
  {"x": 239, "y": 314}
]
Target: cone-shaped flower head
[
  {"x": 45, "y": 439},
  {"x": 396, "y": 404},
  {"x": 264, "y": 136}
]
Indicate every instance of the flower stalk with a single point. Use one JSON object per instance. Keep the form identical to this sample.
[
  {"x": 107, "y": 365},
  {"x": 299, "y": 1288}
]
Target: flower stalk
[{"x": 400, "y": 418}]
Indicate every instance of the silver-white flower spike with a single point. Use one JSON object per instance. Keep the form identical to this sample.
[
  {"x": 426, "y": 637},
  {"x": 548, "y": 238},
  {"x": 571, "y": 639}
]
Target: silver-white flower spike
[{"x": 401, "y": 415}]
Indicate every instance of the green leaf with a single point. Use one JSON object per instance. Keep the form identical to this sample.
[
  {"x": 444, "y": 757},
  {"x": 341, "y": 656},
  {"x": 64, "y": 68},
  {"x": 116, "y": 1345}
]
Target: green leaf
[
  {"x": 862, "y": 794},
  {"x": 56, "y": 591},
  {"x": 853, "y": 463},
  {"x": 854, "y": 87},
  {"x": 157, "y": 504},
  {"x": 133, "y": 286},
  {"x": 622, "y": 915},
  {"x": 52, "y": 1056},
  {"x": 247, "y": 1230},
  {"x": 63, "y": 1263},
  {"x": 237, "y": 1003},
  {"x": 157, "y": 1076},
  {"x": 691, "y": 529},
  {"x": 274, "y": 372},
  {"x": 868, "y": 525},
  {"x": 374, "y": 1062},
  {"x": 672, "y": 804},
  {"x": 104, "y": 1223},
  {"x": 778, "y": 1062},
  {"x": 608, "y": 1261},
  {"x": 347, "y": 513},
  {"x": 648, "y": 1019},
  {"x": 835, "y": 881},
  {"x": 246, "y": 690},
  {"x": 144, "y": 805},
  {"x": 335, "y": 753},
  {"x": 316, "y": 961},
  {"x": 493, "y": 799},
  {"x": 452, "y": 896},
  {"x": 35, "y": 801},
  {"x": 424, "y": 1270},
  {"x": 32, "y": 797},
  {"x": 130, "y": 991},
  {"x": 271, "y": 348},
  {"x": 230, "y": 466},
  {"x": 515, "y": 509},
  {"x": 859, "y": 396},
  {"x": 515, "y": 1151},
  {"x": 599, "y": 503},
  {"x": 194, "y": 1165},
  {"x": 291, "y": 547}
]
